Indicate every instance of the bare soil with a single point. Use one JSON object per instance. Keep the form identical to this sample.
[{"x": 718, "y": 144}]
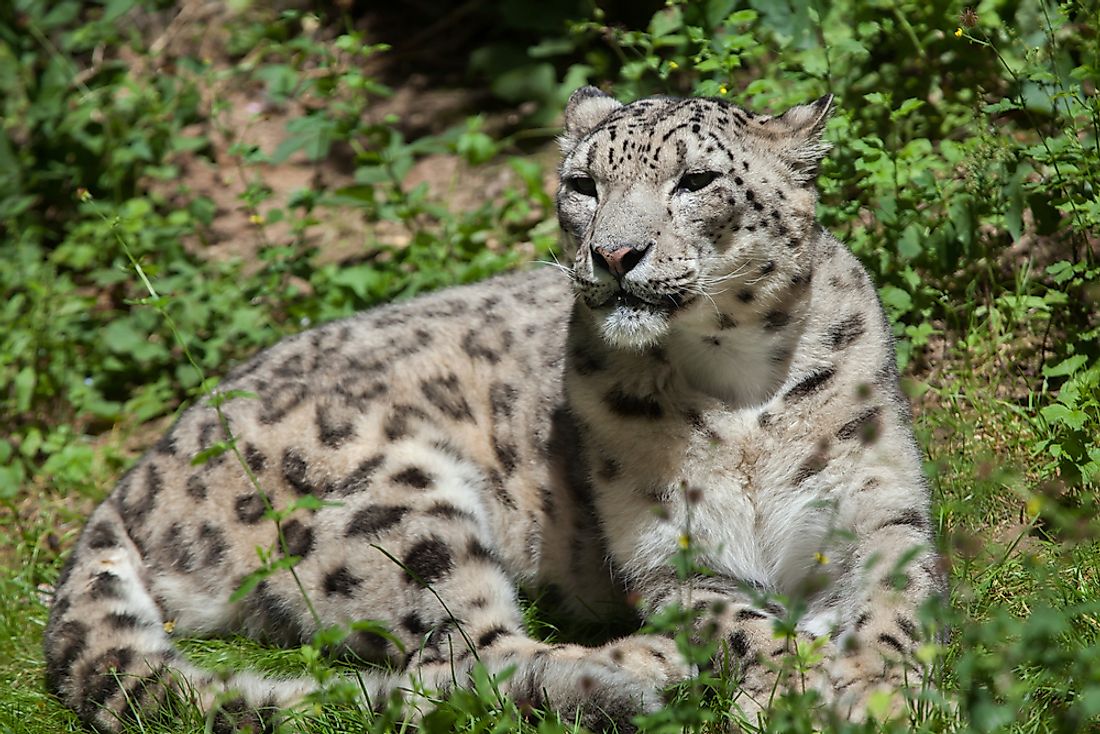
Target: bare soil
[{"x": 238, "y": 113}]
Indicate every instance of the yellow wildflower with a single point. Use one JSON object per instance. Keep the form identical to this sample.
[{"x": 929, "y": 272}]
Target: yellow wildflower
[
  {"x": 958, "y": 33},
  {"x": 256, "y": 219}
]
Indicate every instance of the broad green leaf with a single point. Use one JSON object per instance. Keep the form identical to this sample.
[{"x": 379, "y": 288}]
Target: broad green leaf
[
  {"x": 1061, "y": 271},
  {"x": 11, "y": 477},
  {"x": 24, "y": 383},
  {"x": 896, "y": 300},
  {"x": 1058, "y": 413},
  {"x": 666, "y": 21},
  {"x": 910, "y": 244},
  {"x": 1066, "y": 367}
]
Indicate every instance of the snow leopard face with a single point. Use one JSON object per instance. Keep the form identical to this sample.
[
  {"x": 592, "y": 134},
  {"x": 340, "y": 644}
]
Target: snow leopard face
[{"x": 676, "y": 206}]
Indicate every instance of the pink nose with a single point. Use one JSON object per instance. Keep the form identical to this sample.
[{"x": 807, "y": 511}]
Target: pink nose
[{"x": 619, "y": 260}]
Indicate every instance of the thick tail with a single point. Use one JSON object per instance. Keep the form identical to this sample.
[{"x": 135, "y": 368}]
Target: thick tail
[{"x": 109, "y": 657}]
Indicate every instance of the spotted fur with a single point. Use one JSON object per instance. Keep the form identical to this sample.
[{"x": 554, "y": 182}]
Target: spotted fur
[{"x": 711, "y": 359}]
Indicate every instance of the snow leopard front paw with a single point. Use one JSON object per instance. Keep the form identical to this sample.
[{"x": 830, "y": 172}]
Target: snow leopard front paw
[
  {"x": 604, "y": 688},
  {"x": 653, "y": 658},
  {"x": 601, "y": 696},
  {"x": 867, "y": 679}
]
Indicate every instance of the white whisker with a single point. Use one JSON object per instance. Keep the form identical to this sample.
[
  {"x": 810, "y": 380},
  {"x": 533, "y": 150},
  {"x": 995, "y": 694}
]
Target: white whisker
[{"x": 558, "y": 266}]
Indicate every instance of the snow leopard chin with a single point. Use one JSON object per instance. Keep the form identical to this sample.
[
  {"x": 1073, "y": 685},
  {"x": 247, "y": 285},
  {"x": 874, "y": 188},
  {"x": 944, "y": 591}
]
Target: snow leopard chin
[{"x": 632, "y": 328}]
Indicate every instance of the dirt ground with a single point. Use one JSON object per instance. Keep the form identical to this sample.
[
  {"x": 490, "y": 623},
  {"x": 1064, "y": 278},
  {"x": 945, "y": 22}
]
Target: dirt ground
[{"x": 239, "y": 112}]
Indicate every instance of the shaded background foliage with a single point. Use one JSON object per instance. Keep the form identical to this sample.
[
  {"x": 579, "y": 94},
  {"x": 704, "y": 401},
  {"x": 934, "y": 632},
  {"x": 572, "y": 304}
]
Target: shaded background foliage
[{"x": 965, "y": 174}]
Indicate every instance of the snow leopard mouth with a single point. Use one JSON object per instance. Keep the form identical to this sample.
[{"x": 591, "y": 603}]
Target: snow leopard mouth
[
  {"x": 624, "y": 299},
  {"x": 620, "y": 298},
  {"x": 629, "y": 321}
]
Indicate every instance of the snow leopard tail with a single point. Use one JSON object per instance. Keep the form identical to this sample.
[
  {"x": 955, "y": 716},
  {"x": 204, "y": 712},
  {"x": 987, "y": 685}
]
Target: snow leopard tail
[{"x": 110, "y": 658}]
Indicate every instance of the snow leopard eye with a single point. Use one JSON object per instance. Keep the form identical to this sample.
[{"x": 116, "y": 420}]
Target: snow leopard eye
[
  {"x": 696, "y": 181},
  {"x": 582, "y": 185}
]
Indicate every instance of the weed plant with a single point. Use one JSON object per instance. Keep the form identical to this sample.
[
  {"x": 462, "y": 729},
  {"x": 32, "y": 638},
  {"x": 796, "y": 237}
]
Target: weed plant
[{"x": 965, "y": 174}]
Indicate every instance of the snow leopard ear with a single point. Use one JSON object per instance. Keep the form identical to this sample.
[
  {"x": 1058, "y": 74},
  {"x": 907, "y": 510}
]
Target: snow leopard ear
[
  {"x": 796, "y": 134},
  {"x": 587, "y": 108}
]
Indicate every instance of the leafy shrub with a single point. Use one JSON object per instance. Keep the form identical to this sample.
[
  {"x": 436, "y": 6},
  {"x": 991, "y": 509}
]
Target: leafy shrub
[{"x": 82, "y": 140}]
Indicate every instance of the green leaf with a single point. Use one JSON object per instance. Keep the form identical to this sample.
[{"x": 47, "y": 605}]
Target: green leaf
[
  {"x": 1066, "y": 367},
  {"x": 906, "y": 108},
  {"x": 852, "y": 48},
  {"x": 1061, "y": 271},
  {"x": 552, "y": 47},
  {"x": 742, "y": 17},
  {"x": 122, "y": 338},
  {"x": 361, "y": 194},
  {"x": 476, "y": 147},
  {"x": 252, "y": 580},
  {"x": 12, "y": 206},
  {"x": 115, "y": 9},
  {"x": 1058, "y": 413},
  {"x": 210, "y": 452},
  {"x": 312, "y": 134},
  {"x": 1002, "y": 105},
  {"x": 281, "y": 80},
  {"x": 219, "y": 398},
  {"x": 364, "y": 281},
  {"x": 62, "y": 13},
  {"x": 718, "y": 11},
  {"x": 306, "y": 502},
  {"x": 72, "y": 464},
  {"x": 960, "y": 215},
  {"x": 24, "y": 383},
  {"x": 666, "y": 21},
  {"x": 877, "y": 99},
  {"x": 896, "y": 300},
  {"x": 31, "y": 443},
  {"x": 910, "y": 243},
  {"x": 248, "y": 583},
  {"x": 11, "y": 478}
]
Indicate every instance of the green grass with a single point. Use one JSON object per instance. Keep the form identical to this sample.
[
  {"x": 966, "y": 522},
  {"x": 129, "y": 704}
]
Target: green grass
[{"x": 965, "y": 174}]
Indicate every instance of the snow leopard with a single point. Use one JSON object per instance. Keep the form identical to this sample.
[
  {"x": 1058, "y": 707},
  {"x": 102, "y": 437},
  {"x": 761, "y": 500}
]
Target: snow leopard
[{"x": 707, "y": 369}]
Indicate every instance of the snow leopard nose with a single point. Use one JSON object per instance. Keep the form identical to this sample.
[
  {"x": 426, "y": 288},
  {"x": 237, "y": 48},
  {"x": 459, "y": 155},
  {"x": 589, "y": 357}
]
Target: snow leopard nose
[{"x": 618, "y": 260}]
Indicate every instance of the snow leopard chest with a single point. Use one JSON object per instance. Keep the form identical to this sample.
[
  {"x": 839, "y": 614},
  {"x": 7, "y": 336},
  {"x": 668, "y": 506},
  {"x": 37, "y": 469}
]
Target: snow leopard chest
[
  {"x": 731, "y": 498},
  {"x": 750, "y": 518}
]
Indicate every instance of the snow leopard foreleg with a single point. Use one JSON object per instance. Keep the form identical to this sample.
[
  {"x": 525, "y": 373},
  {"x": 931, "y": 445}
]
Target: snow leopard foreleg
[
  {"x": 748, "y": 633},
  {"x": 895, "y": 571}
]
